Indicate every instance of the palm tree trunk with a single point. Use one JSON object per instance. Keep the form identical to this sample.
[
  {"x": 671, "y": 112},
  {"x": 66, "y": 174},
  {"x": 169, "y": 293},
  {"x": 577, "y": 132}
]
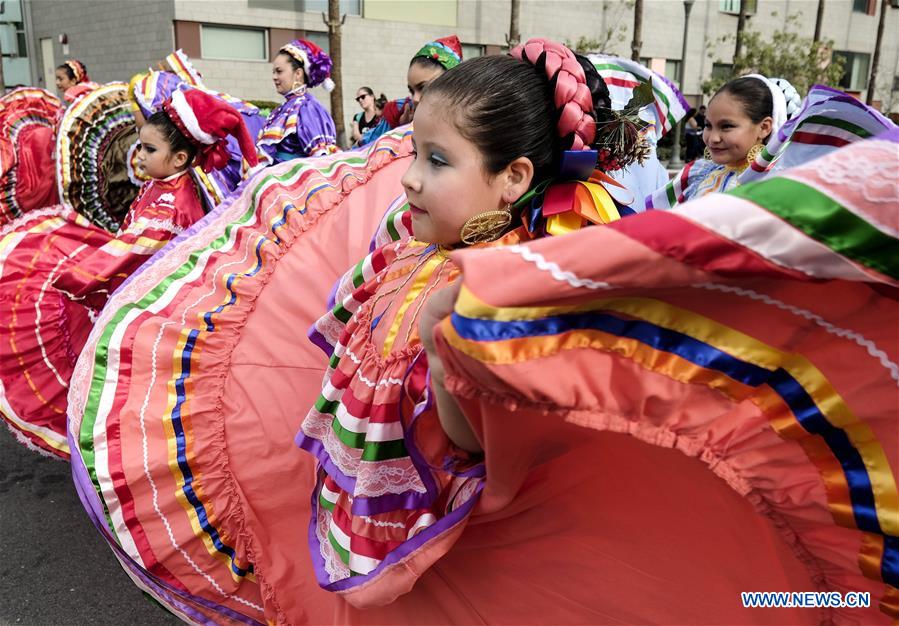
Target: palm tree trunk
[
  {"x": 334, "y": 23},
  {"x": 637, "y": 42},
  {"x": 741, "y": 26},
  {"x": 514, "y": 37},
  {"x": 872, "y": 83},
  {"x": 819, "y": 20}
]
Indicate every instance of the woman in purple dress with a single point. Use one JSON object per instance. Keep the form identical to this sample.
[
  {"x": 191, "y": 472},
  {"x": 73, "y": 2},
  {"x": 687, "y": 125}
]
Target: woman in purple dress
[{"x": 301, "y": 126}]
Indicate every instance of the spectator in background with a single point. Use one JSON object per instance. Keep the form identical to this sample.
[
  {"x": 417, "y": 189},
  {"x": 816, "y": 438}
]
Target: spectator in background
[
  {"x": 695, "y": 125},
  {"x": 368, "y": 119}
]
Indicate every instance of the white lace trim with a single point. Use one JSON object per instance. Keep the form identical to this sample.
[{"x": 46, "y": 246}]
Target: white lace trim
[
  {"x": 553, "y": 268},
  {"x": 844, "y": 333}
]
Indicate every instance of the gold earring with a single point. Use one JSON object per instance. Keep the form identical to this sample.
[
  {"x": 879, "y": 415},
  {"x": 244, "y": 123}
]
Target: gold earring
[
  {"x": 487, "y": 226},
  {"x": 754, "y": 152},
  {"x": 707, "y": 154}
]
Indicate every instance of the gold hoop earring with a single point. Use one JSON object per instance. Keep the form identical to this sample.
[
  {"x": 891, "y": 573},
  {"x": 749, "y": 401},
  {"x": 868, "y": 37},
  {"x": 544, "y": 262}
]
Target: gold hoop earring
[
  {"x": 707, "y": 154},
  {"x": 487, "y": 226},
  {"x": 754, "y": 152}
]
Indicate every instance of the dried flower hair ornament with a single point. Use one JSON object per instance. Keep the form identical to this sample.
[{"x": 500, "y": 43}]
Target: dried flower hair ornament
[{"x": 620, "y": 139}]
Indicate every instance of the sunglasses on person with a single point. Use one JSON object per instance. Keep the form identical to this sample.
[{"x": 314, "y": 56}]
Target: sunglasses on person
[{"x": 362, "y": 97}]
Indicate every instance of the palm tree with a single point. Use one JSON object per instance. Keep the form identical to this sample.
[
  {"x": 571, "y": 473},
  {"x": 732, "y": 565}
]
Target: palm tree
[
  {"x": 514, "y": 37},
  {"x": 741, "y": 26},
  {"x": 637, "y": 42},
  {"x": 819, "y": 20},
  {"x": 334, "y": 22},
  {"x": 872, "y": 83}
]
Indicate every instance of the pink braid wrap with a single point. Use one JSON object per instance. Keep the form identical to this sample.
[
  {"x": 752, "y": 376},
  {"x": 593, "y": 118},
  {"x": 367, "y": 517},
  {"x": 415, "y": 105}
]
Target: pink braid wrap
[{"x": 573, "y": 100}]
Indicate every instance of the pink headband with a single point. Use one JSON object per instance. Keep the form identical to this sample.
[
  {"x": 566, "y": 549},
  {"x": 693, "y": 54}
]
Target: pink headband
[{"x": 573, "y": 100}]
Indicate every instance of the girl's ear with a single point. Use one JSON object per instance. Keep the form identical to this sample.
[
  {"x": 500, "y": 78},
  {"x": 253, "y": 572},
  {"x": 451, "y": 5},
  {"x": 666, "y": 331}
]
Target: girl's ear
[
  {"x": 179, "y": 159},
  {"x": 518, "y": 177},
  {"x": 765, "y": 128}
]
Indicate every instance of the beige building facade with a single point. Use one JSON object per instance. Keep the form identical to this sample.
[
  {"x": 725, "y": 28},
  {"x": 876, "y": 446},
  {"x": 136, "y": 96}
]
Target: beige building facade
[{"x": 233, "y": 41}]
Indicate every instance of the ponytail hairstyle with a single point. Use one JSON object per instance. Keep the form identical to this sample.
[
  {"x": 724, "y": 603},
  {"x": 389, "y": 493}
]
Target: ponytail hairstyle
[
  {"x": 175, "y": 139},
  {"x": 380, "y": 102}
]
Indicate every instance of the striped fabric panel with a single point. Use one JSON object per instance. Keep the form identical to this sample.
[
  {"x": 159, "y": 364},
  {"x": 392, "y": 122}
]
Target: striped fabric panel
[
  {"x": 238, "y": 240},
  {"x": 827, "y": 221},
  {"x": 623, "y": 75},
  {"x": 21, "y": 109},
  {"x": 763, "y": 266}
]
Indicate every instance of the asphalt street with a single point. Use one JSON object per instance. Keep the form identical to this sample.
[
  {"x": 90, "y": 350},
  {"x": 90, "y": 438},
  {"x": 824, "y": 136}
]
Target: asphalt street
[{"x": 54, "y": 567}]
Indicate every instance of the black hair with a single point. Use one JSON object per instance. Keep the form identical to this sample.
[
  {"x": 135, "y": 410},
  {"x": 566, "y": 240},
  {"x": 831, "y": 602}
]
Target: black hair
[
  {"x": 506, "y": 108},
  {"x": 68, "y": 70},
  {"x": 173, "y": 137},
  {"x": 295, "y": 63},
  {"x": 427, "y": 63},
  {"x": 753, "y": 94}
]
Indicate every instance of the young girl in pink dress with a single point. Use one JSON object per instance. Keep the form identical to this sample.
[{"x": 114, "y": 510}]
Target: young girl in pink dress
[
  {"x": 398, "y": 475},
  {"x": 191, "y": 129}
]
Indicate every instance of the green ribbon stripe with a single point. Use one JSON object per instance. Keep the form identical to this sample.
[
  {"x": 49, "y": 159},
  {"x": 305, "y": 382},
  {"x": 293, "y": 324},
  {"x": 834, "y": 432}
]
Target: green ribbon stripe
[{"x": 824, "y": 219}]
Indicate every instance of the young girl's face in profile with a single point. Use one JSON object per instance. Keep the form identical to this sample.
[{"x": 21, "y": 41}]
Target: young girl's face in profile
[
  {"x": 155, "y": 156},
  {"x": 63, "y": 81},
  {"x": 447, "y": 182}
]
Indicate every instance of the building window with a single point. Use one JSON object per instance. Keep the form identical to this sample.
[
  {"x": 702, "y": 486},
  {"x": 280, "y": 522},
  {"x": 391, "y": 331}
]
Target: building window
[
  {"x": 319, "y": 39},
  {"x": 348, "y": 7},
  {"x": 21, "y": 40},
  {"x": 868, "y": 7},
  {"x": 672, "y": 70},
  {"x": 231, "y": 42},
  {"x": 733, "y": 6},
  {"x": 856, "y": 66},
  {"x": 722, "y": 70},
  {"x": 435, "y": 12},
  {"x": 472, "y": 51}
]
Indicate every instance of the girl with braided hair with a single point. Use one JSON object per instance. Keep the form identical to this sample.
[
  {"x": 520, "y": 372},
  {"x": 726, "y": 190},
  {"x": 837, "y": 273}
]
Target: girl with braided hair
[{"x": 503, "y": 147}]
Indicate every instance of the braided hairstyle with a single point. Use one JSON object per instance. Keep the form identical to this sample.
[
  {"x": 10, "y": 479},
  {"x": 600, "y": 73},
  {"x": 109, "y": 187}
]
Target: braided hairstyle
[{"x": 537, "y": 104}]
